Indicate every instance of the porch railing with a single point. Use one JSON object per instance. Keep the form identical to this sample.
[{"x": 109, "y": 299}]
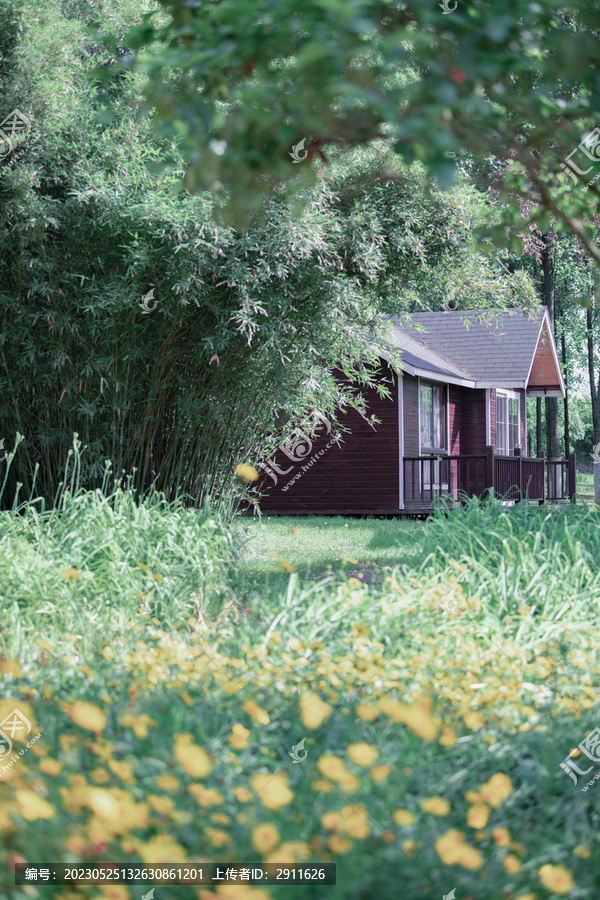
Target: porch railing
[{"x": 512, "y": 477}]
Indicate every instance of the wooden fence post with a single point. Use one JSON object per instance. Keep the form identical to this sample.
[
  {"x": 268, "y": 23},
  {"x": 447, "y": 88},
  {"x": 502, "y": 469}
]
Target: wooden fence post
[
  {"x": 489, "y": 468},
  {"x": 572, "y": 476}
]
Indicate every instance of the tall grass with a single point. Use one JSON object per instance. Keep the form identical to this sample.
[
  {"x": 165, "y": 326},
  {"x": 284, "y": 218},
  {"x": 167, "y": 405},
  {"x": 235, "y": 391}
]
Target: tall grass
[{"x": 89, "y": 561}]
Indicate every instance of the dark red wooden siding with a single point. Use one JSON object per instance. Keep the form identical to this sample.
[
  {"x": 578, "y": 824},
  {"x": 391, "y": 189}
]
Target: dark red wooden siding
[
  {"x": 473, "y": 440},
  {"x": 359, "y": 475}
]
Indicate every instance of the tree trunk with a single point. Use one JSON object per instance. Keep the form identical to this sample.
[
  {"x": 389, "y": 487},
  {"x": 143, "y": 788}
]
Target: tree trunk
[{"x": 595, "y": 395}]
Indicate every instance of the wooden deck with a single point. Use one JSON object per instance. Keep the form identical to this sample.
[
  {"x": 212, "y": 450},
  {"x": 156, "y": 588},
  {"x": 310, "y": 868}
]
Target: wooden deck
[{"x": 511, "y": 478}]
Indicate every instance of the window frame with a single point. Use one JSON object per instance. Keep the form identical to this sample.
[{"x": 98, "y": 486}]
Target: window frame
[
  {"x": 434, "y": 451},
  {"x": 507, "y": 396}
]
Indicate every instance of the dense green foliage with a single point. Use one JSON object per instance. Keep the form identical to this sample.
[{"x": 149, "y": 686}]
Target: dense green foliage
[
  {"x": 246, "y": 328},
  {"x": 239, "y": 83}
]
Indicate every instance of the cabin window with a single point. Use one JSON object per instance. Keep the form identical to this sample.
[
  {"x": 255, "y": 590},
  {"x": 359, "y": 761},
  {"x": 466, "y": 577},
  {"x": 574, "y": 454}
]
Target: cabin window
[
  {"x": 507, "y": 423},
  {"x": 433, "y": 418}
]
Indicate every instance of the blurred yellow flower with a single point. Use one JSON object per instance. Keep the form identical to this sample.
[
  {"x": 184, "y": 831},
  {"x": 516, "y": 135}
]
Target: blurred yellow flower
[
  {"x": 168, "y": 783},
  {"x": 246, "y": 473},
  {"x": 350, "y": 559},
  {"x": 70, "y": 574},
  {"x": 50, "y": 766},
  {"x": 362, "y": 754},
  {"x": 264, "y": 837},
  {"x": 87, "y": 715},
  {"x": 583, "y": 852},
  {"x": 239, "y": 737},
  {"x": 11, "y": 667},
  {"x": 512, "y": 864},
  {"x": 501, "y": 836},
  {"x": 355, "y": 584},
  {"x": 410, "y": 847},
  {"x": 367, "y": 712},
  {"x": 332, "y": 821},
  {"x": 448, "y": 737},
  {"x": 325, "y": 787},
  {"x": 122, "y": 770},
  {"x": 478, "y": 815},
  {"x": 331, "y": 766},
  {"x": 194, "y": 759},
  {"x": 556, "y": 878},
  {"x": 243, "y": 795},
  {"x": 313, "y": 710},
  {"x": 272, "y": 790},
  {"x": 403, "y": 817},
  {"x": 217, "y": 837},
  {"x": 339, "y": 844},
  {"x": 287, "y": 566},
  {"x": 255, "y": 712},
  {"x": 162, "y": 849},
  {"x": 31, "y": 806},
  {"x": 437, "y": 806},
  {"x": 497, "y": 789},
  {"x": 474, "y": 720},
  {"x": 380, "y": 773},
  {"x": 108, "y": 653},
  {"x": 452, "y": 850},
  {"x": 205, "y": 796}
]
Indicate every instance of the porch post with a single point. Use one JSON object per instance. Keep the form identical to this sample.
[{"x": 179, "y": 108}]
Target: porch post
[
  {"x": 572, "y": 476},
  {"x": 489, "y": 468},
  {"x": 520, "y": 458},
  {"x": 544, "y": 478}
]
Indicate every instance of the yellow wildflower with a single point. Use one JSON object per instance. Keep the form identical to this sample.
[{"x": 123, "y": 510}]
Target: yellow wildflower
[
  {"x": 246, "y": 473},
  {"x": 194, "y": 759},
  {"x": 556, "y": 878},
  {"x": 32, "y": 806},
  {"x": 478, "y": 815},
  {"x": 239, "y": 737},
  {"x": 264, "y": 837},
  {"x": 362, "y": 754},
  {"x": 272, "y": 790},
  {"x": 437, "y": 806},
  {"x": 87, "y": 715},
  {"x": 403, "y": 817},
  {"x": 255, "y": 712},
  {"x": 497, "y": 789},
  {"x": 313, "y": 710}
]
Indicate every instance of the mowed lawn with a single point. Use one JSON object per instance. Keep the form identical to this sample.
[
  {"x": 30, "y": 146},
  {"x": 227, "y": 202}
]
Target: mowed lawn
[{"x": 317, "y": 546}]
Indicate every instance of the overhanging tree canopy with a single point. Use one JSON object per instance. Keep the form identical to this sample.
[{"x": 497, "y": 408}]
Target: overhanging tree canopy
[{"x": 238, "y": 83}]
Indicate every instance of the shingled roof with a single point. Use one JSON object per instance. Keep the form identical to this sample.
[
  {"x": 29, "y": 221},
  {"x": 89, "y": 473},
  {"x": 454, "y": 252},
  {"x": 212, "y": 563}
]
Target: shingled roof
[{"x": 471, "y": 347}]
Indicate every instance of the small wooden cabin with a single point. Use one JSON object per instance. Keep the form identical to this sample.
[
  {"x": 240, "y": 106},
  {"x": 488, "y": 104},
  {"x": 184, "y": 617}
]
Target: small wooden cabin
[{"x": 455, "y": 424}]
